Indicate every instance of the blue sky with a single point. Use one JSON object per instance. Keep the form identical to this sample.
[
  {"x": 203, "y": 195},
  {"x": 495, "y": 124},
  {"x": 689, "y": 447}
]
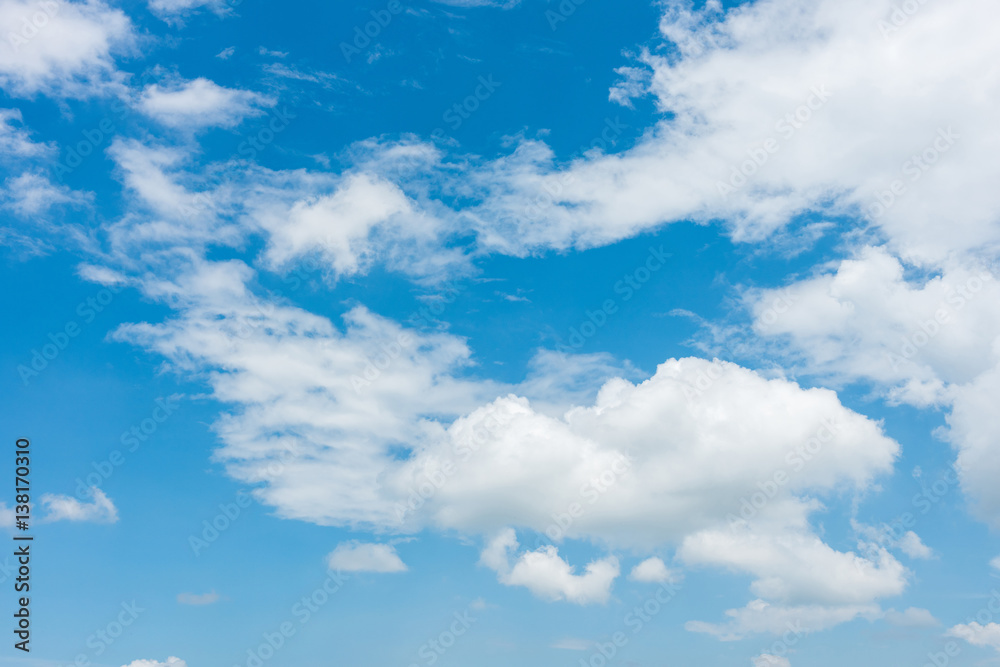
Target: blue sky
[{"x": 531, "y": 332}]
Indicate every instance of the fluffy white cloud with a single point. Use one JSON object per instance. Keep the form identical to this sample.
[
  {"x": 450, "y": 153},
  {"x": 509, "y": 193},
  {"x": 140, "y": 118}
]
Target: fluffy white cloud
[
  {"x": 361, "y": 557},
  {"x": 995, "y": 563},
  {"x": 867, "y": 320},
  {"x": 337, "y": 226},
  {"x": 978, "y": 635},
  {"x": 200, "y": 103},
  {"x": 547, "y": 575},
  {"x": 797, "y": 567},
  {"x": 700, "y": 439},
  {"x": 59, "y": 47},
  {"x": 651, "y": 570},
  {"x": 931, "y": 340},
  {"x": 68, "y": 508}
]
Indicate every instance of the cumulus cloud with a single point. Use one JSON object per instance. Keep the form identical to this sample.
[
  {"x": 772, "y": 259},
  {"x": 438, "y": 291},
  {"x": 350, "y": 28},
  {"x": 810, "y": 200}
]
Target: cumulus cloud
[
  {"x": 68, "y": 508},
  {"x": 200, "y": 103},
  {"x": 361, "y": 557},
  {"x": 978, "y": 635},
  {"x": 547, "y": 575},
  {"x": 61, "y": 48},
  {"x": 651, "y": 570},
  {"x": 867, "y": 320}
]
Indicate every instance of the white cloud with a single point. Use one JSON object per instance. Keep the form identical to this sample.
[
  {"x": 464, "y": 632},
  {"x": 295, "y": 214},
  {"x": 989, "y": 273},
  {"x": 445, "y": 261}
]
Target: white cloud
[
  {"x": 651, "y": 570},
  {"x": 31, "y": 194},
  {"x": 978, "y": 635},
  {"x": 337, "y": 226},
  {"x": 200, "y": 103},
  {"x": 912, "y": 617},
  {"x": 68, "y": 508},
  {"x": 170, "y": 662},
  {"x": 174, "y": 11},
  {"x": 62, "y": 48},
  {"x": 361, "y": 557},
  {"x": 995, "y": 563},
  {"x": 768, "y": 660},
  {"x": 797, "y": 567},
  {"x": 760, "y": 616},
  {"x": 866, "y": 320},
  {"x": 740, "y": 75},
  {"x": 319, "y": 411},
  {"x": 198, "y": 600},
  {"x": 912, "y": 546},
  {"x": 15, "y": 140},
  {"x": 547, "y": 575},
  {"x": 974, "y": 431}
]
